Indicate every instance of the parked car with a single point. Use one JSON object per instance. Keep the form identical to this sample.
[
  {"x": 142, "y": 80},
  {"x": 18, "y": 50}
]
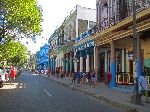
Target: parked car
[{"x": 4, "y": 77}]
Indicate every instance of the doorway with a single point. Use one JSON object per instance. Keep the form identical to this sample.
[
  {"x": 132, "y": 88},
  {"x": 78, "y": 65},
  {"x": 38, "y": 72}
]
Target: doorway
[{"x": 102, "y": 66}]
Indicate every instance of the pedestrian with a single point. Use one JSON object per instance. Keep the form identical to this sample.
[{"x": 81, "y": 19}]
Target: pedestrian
[
  {"x": 143, "y": 86},
  {"x": 57, "y": 73},
  {"x": 73, "y": 77},
  {"x": 93, "y": 79},
  {"x": 86, "y": 78},
  {"x": 61, "y": 74},
  {"x": 78, "y": 77},
  {"x": 108, "y": 78},
  {"x": 81, "y": 78},
  {"x": 4, "y": 72},
  {"x": 89, "y": 78},
  {"x": 12, "y": 74}
]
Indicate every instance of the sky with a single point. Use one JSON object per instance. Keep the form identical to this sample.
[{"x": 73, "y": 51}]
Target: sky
[{"x": 54, "y": 13}]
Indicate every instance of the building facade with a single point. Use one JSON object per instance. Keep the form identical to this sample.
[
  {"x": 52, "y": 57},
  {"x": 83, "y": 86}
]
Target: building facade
[
  {"x": 101, "y": 40},
  {"x": 41, "y": 58},
  {"x": 114, "y": 39},
  {"x": 79, "y": 21}
]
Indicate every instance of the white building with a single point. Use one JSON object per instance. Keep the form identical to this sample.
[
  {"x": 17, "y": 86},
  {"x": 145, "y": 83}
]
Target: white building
[{"x": 80, "y": 20}]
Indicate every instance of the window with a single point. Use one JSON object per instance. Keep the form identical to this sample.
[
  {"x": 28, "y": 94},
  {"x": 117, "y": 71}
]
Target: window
[{"x": 91, "y": 24}]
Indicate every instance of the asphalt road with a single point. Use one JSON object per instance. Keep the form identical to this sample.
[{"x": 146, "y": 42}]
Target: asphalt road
[{"x": 34, "y": 93}]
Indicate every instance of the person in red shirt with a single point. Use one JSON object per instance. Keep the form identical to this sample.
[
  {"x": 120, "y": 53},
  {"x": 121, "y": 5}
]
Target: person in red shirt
[
  {"x": 108, "y": 77},
  {"x": 12, "y": 74}
]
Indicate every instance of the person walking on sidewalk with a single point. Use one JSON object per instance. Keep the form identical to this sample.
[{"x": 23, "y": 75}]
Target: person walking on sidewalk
[
  {"x": 93, "y": 79},
  {"x": 57, "y": 73},
  {"x": 108, "y": 78},
  {"x": 12, "y": 74},
  {"x": 143, "y": 87},
  {"x": 78, "y": 77},
  {"x": 74, "y": 77},
  {"x": 89, "y": 78},
  {"x": 82, "y": 78}
]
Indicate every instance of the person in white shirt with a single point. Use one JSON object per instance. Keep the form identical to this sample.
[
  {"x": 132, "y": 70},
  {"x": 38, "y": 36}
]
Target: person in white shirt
[{"x": 143, "y": 87}]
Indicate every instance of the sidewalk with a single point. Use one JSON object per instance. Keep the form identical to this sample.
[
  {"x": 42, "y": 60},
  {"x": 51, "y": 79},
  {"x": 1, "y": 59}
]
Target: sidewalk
[{"x": 114, "y": 96}]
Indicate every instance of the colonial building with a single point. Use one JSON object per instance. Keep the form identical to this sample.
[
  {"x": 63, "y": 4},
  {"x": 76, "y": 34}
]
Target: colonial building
[
  {"x": 52, "y": 52},
  {"x": 114, "y": 39},
  {"x": 101, "y": 40},
  {"x": 79, "y": 21},
  {"x": 59, "y": 52}
]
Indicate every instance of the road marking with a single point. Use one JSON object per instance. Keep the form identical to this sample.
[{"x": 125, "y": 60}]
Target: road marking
[{"x": 47, "y": 93}]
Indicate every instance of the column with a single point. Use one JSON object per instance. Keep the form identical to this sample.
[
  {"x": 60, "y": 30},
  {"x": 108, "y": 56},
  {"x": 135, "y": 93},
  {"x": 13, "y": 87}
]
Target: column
[
  {"x": 81, "y": 61},
  {"x": 139, "y": 60},
  {"x": 87, "y": 63},
  {"x": 64, "y": 64},
  {"x": 96, "y": 60},
  {"x": 75, "y": 62},
  {"x": 55, "y": 64},
  {"x": 123, "y": 60},
  {"x": 52, "y": 63},
  {"x": 75, "y": 65},
  {"x": 70, "y": 62},
  {"x": 112, "y": 66},
  {"x": 127, "y": 62},
  {"x": 106, "y": 62},
  {"x": 67, "y": 65},
  {"x": 48, "y": 66}
]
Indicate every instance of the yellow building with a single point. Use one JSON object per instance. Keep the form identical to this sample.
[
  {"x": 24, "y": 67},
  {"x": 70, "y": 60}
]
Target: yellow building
[{"x": 114, "y": 39}]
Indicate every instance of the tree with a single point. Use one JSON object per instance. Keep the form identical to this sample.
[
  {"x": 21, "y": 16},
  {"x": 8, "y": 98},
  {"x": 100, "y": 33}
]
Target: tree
[
  {"x": 13, "y": 52},
  {"x": 20, "y": 18}
]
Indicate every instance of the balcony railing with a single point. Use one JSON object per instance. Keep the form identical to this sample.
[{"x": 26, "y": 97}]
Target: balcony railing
[
  {"x": 86, "y": 34},
  {"x": 108, "y": 22},
  {"x": 119, "y": 16}
]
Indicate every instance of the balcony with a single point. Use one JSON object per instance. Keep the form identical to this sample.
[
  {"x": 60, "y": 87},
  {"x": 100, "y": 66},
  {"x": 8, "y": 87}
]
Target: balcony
[
  {"x": 86, "y": 34},
  {"x": 120, "y": 16}
]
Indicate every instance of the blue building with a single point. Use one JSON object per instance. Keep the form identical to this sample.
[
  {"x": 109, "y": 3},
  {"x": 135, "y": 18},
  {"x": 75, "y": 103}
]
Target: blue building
[{"x": 42, "y": 58}]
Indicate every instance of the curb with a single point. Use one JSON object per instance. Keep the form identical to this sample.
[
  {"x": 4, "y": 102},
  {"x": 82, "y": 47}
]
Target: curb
[
  {"x": 108, "y": 101},
  {"x": 128, "y": 108}
]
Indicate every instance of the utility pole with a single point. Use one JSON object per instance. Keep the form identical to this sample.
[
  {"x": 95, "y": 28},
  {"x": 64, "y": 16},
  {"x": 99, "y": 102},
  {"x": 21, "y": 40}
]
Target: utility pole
[{"x": 135, "y": 98}]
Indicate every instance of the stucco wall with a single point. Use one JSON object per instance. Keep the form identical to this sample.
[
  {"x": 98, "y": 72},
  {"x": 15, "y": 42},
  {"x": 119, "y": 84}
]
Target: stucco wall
[
  {"x": 71, "y": 22},
  {"x": 59, "y": 61},
  {"x": 86, "y": 13}
]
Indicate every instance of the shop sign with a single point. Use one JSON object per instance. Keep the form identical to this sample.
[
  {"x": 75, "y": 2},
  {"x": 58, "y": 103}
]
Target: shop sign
[{"x": 85, "y": 45}]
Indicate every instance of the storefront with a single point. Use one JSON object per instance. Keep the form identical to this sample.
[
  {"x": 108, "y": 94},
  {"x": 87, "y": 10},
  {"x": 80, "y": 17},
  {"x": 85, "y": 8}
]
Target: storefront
[{"x": 84, "y": 55}]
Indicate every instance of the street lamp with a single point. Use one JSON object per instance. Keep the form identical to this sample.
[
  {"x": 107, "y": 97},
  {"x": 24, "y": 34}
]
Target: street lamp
[{"x": 135, "y": 98}]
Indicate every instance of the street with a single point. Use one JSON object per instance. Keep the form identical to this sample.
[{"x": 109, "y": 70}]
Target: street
[{"x": 34, "y": 93}]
